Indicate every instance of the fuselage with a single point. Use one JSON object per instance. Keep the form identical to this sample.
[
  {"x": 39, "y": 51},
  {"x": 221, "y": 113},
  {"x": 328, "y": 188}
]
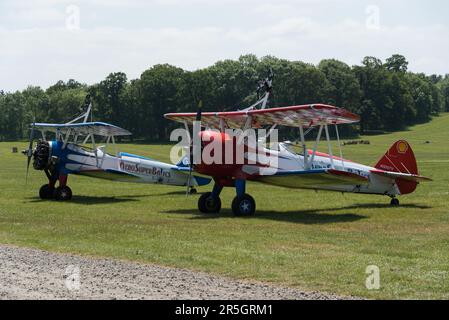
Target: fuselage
[
  {"x": 287, "y": 160},
  {"x": 291, "y": 161},
  {"x": 125, "y": 167}
]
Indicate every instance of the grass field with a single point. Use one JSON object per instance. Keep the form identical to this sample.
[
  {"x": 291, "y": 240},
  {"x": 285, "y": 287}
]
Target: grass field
[{"x": 314, "y": 241}]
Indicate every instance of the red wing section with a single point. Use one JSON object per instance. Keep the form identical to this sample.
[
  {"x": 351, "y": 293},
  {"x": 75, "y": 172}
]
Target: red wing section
[
  {"x": 234, "y": 120},
  {"x": 308, "y": 116},
  {"x": 399, "y": 163}
]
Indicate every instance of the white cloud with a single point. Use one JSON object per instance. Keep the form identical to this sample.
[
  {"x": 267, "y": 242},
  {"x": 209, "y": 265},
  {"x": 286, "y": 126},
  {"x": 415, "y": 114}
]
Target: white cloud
[{"x": 41, "y": 55}]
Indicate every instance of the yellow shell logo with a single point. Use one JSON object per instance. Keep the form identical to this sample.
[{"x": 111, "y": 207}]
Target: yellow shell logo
[{"x": 402, "y": 147}]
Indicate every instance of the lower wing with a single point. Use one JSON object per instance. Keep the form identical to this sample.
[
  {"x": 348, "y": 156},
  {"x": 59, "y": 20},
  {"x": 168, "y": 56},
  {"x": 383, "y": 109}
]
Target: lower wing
[
  {"x": 197, "y": 180},
  {"x": 304, "y": 178}
]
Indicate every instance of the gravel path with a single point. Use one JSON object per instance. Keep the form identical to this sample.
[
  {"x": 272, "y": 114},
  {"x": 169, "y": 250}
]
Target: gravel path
[{"x": 35, "y": 274}]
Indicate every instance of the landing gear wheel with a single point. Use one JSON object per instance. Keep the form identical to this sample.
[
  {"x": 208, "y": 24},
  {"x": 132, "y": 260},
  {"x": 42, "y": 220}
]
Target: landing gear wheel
[
  {"x": 394, "y": 202},
  {"x": 209, "y": 204},
  {"x": 46, "y": 192},
  {"x": 63, "y": 193},
  {"x": 193, "y": 191},
  {"x": 244, "y": 205}
]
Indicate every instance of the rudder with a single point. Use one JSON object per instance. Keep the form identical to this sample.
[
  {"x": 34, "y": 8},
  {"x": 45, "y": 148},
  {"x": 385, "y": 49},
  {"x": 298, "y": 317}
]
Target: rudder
[{"x": 399, "y": 158}]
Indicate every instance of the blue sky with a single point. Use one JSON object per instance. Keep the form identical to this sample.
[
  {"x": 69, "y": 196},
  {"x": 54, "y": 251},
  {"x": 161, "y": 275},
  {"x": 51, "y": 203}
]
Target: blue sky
[{"x": 42, "y": 41}]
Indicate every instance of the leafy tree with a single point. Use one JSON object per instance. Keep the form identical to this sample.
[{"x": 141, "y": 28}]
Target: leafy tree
[
  {"x": 160, "y": 91},
  {"x": 344, "y": 89},
  {"x": 385, "y": 95},
  {"x": 108, "y": 98},
  {"x": 443, "y": 85},
  {"x": 372, "y": 63},
  {"x": 397, "y": 63},
  {"x": 61, "y": 86},
  {"x": 64, "y": 105},
  {"x": 12, "y": 108}
]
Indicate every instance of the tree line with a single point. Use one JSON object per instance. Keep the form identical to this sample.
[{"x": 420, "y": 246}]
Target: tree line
[{"x": 384, "y": 93}]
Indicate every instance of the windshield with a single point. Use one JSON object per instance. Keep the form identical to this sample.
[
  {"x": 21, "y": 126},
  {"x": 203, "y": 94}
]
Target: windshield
[{"x": 291, "y": 147}]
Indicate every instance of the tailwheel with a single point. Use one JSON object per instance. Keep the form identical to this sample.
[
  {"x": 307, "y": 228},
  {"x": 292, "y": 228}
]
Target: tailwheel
[
  {"x": 244, "y": 205},
  {"x": 63, "y": 193},
  {"x": 46, "y": 192},
  {"x": 394, "y": 202},
  {"x": 207, "y": 203}
]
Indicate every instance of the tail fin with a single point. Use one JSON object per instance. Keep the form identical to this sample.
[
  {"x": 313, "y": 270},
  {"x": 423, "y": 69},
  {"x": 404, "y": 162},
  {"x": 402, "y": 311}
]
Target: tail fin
[{"x": 400, "y": 158}]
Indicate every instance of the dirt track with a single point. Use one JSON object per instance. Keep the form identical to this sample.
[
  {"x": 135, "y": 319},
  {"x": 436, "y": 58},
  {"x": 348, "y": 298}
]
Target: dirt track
[{"x": 36, "y": 274}]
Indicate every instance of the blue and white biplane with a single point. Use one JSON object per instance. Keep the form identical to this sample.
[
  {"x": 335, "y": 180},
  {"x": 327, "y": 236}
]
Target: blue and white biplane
[{"x": 68, "y": 154}]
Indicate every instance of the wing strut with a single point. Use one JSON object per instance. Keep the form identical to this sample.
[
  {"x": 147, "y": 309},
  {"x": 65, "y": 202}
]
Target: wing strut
[
  {"x": 320, "y": 131},
  {"x": 329, "y": 146},
  {"x": 339, "y": 147},
  {"x": 94, "y": 146},
  {"x": 304, "y": 146},
  {"x": 115, "y": 146}
]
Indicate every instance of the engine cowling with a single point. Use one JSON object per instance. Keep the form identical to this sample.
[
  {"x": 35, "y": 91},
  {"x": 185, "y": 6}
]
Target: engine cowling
[{"x": 41, "y": 156}]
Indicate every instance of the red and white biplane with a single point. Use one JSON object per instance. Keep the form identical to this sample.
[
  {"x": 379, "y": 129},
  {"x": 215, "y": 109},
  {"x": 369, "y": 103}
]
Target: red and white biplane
[{"x": 395, "y": 174}]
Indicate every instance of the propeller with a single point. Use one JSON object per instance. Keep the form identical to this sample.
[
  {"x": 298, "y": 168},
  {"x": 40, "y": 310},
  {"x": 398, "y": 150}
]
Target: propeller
[
  {"x": 191, "y": 159},
  {"x": 29, "y": 151}
]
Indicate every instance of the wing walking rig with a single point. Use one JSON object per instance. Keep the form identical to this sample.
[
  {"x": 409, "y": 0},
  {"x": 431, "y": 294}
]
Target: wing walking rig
[{"x": 394, "y": 175}]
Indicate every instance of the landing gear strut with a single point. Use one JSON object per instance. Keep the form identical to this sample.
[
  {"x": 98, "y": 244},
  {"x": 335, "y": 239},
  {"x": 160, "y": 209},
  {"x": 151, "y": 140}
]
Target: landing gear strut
[
  {"x": 242, "y": 205},
  {"x": 63, "y": 192}
]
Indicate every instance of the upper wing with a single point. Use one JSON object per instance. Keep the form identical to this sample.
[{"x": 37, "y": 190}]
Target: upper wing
[
  {"x": 304, "y": 179},
  {"x": 308, "y": 116},
  {"x": 96, "y": 128}
]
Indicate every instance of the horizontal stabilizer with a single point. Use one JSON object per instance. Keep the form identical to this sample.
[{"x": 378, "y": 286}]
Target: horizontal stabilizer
[{"x": 403, "y": 176}]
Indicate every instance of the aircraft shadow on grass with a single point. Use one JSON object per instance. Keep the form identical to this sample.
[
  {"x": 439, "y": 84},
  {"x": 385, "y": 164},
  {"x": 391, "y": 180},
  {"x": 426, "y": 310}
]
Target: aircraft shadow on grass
[
  {"x": 92, "y": 200},
  {"x": 385, "y": 206},
  {"x": 89, "y": 200},
  {"x": 314, "y": 216}
]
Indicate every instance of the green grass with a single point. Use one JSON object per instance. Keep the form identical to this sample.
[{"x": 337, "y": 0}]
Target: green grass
[{"x": 315, "y": 241}]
